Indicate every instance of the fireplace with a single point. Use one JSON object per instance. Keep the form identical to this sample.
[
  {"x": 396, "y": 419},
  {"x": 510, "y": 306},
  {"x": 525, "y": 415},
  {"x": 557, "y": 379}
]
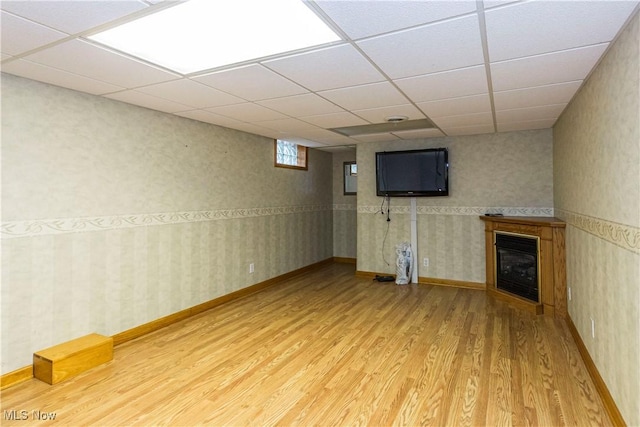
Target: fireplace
[
  {"x": 525, "y": 263},
  {"x": 517, "y": 265}
]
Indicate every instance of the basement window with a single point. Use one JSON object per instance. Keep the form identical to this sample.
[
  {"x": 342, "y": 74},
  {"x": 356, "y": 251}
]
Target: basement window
[
  {"x": 350, "y": 178},
  {"x": 290, "y": 155}
]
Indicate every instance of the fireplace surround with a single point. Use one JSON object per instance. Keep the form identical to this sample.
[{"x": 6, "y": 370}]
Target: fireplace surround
[{"x": 525, "y": 263}]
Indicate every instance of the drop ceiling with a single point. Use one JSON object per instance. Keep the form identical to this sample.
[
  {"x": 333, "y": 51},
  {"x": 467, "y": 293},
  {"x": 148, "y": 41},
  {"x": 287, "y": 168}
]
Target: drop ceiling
[{"x": 468, "y": 67}]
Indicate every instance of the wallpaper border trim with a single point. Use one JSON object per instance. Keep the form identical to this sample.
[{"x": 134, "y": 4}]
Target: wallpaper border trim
[
  {"x": 344, "y": 207},
  {"x": 463, "y": 210},
  {"x": 624, "y": 236},
  {"x": 40, "y": 227}
]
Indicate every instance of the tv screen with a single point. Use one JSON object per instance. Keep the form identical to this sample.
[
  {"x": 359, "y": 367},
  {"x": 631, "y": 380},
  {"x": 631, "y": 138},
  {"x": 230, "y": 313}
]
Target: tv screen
[{"x": 415, "y": 173}]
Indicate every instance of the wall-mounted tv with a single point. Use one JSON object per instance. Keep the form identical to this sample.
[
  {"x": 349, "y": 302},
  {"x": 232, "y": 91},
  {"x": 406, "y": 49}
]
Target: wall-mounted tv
[{"x": 413, "y": 173}]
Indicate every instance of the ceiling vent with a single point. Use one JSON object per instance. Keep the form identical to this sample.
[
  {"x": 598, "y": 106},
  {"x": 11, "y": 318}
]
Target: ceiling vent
[
  {"x": 393, "y": 124},
  {"x": 396, "y": 119}
]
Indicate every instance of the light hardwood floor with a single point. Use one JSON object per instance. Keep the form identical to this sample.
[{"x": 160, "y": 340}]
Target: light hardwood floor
[{"x": 328, "y": 349}]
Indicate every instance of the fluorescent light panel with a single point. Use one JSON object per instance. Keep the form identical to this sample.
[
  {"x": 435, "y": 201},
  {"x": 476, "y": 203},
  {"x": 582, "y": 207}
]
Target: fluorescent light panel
[
  {"x": 202, "y": 34},
  {"x": 384, "y": 127}
]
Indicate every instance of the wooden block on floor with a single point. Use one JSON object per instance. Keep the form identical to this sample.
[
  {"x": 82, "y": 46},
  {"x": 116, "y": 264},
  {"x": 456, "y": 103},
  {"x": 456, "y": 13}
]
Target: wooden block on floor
[{"x": 71, "y": 358}]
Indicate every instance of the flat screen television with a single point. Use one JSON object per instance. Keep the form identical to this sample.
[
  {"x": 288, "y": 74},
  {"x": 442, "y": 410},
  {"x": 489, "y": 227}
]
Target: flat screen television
[{"x": 413, "y": 173}]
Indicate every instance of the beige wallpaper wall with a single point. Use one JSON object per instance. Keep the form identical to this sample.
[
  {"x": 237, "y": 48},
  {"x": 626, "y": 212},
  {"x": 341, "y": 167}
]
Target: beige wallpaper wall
[
  {"x": 344, "y": 209},
  {"x": 597, "y": 191},
  {"x": 508, "y": 172},
  {"x": 114, "y": 215}
]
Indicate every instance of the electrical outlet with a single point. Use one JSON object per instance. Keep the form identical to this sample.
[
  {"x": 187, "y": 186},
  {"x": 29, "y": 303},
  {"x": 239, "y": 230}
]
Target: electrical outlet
[
  {"x": 569, "y": 293},
  {"x": 425, "y": 262},
  {"x": 251, "y": 268},
  {"x": 593, "y": 328}
]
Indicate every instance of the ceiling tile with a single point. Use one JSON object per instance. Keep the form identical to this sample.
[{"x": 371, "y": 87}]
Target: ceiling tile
[
  {"x": 414, "y": 58},
  {"x": 190, "y": 93},
  {"x": 367, "y": 18},
  {"x": 379, "y": 115},
  {"x": 340, "y": 143},
  {"x": 209, "y": 117},
  {"x": 53, "y": 76},
  {"x": 287, "y": 125},
  {"x": 218, "y": 120},
  {"x": 531, "y": 28},
  {"x": 456, "y": 106},
  {"x": 529, "y": 114},
  {"x": 488, "y": 4},
  {"x": 436, "y": 47},
  {"x": 533, "y": 124},
  {"x": 560, "y": 93},
  {"x": 319, "y": 134},
  {"x": 469, "y": 130},
  {"x": 252, "y": 82},
  {"x": 256, "y": 130},
  {"x": 319, "y": 70},
  {"x": 334, "y": 120},
  {"x": 325, "y": 136},
  {"x": 378, "y": 137},
  {"x": 465, "y": 120},
  {"x": 419, "y": 133},
  {"x": 311, "y": 144},
  {"x": 301, "y": 105},
  {"x": 73, "y": 17},
  {"x": 448, "y": 84},
  {"x": 541, "y": 70},
  {"x": 19, "y": 35},
  {"x": 365, "y": 96},
  {"x": 147, "y": 101},
  {"x": 89, "y": 60},
  {"x": 247, "y": 112}
]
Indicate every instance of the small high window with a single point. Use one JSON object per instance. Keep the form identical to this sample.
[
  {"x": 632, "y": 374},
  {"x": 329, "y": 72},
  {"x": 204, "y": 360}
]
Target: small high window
[
  {"x": 350, "y": 178},
  {"x": 290, "y": 155}
]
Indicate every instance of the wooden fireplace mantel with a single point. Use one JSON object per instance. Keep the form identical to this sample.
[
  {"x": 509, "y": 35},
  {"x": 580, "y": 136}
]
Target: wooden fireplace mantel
[{"x": 552, "y": 274}]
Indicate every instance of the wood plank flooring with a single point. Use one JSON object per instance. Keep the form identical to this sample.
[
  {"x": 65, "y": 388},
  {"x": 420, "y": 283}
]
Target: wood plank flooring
[{"x": 330, "y": 349}]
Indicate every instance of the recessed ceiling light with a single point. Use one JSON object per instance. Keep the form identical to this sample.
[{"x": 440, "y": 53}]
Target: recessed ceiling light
[{"x": 199, "y": 35}]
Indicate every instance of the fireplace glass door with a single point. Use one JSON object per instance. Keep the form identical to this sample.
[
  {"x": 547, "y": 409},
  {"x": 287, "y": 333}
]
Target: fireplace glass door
[{"x": 517, "y": 265}]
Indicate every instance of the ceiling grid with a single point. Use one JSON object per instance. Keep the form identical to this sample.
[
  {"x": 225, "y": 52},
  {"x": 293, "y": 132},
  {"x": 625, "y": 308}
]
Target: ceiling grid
[{"x": 467, "y": 66}]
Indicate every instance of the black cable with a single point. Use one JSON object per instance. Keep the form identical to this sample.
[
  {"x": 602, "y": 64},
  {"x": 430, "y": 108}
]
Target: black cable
[
  {"x": 388, "y": 209},
  {"x": 384, "y": 241}
]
